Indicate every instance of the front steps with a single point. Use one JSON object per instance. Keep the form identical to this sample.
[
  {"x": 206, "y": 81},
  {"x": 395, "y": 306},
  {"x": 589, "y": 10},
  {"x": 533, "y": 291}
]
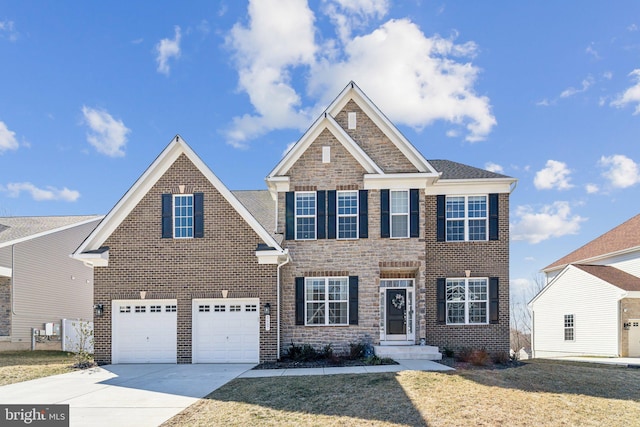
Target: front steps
[{"x": 408, "y": 352}]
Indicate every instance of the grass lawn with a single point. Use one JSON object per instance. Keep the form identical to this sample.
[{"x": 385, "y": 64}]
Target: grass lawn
[
  {"x": 18, "y": 366},
  {"x": 546, "y": 393}
]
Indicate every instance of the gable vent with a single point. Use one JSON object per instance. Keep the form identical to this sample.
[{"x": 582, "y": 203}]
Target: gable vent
[{"x": 351, "y": 120}]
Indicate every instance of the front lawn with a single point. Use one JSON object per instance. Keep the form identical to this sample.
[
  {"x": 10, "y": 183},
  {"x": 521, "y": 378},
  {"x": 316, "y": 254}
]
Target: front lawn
[
  {"x": 547, "y": 393},
  {"x": 18, "y": 366}
]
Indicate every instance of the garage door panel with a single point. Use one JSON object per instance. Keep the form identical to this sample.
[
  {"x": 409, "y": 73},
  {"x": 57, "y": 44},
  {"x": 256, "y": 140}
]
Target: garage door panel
[
  {"x": 226, "y": 331},
  {"x": 144, "y": 331}
]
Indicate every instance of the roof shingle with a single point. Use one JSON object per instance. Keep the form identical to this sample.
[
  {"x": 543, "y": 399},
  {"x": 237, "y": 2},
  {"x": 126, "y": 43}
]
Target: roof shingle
[
  {"x": 455, "y": 170},
  {"x": 616, "y": 277},
  {"x": 20, "y": 227}
]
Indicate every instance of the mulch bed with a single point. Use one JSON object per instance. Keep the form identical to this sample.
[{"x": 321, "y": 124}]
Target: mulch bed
[{"x": 321, "y": 363}]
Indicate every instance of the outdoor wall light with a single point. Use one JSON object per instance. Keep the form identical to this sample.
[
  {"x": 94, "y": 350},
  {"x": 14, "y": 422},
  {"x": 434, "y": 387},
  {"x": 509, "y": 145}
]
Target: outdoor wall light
[
  {"x": 267, "y": 309},
  {"x": 627, "y": 326},
  {"x": 98, "y": 309}
]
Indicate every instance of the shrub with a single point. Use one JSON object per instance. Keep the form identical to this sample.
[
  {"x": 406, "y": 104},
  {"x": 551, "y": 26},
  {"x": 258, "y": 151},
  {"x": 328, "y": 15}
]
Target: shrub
[
  {"x": 447, "y": 352},
  {"x": 475, "y": 357},
  {"x": 501, "y": 357},
  {"x": 356, "y": 350}
]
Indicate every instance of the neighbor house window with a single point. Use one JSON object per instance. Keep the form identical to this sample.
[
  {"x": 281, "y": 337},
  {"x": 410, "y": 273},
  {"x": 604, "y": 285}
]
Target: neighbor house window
[
  {"x": 466, "y": 301},
  {"x": 347, "y": 214},
  {"x": 326, "y": 300},
  {"x": 466, "y": 218},
  {"x": 399, "y": 213},
  {"x": 305, "y": 215},
  {"x": 568, "y": 327},
  {"x": 183, "y": 216}
]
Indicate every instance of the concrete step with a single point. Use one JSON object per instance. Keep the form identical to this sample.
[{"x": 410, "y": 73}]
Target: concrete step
[{"x": 408, "y": 352}]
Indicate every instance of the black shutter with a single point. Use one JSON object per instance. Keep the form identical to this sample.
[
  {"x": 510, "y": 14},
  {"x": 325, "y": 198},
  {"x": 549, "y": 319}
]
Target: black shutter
[
  {"x": 167, "y": 216},
  {"x": 198, "y": 215},
  {"x": 440, "y": 218},
  {"x": 493, "y": 216},
  {"x": 441, "y": 284},
  {"x": 321, "y": 216},
  {"x": 494, "y": 299},
  {"x": 290, "y": 219},
  {"x": 331, "y": 214},
  {"x": 384, "y": 214},
  {"x": 414, "y": 213},
  {"x": 363, "y": 214},
  {"x": 299, "y": 300},
  {"x": 353, "y": 300}
]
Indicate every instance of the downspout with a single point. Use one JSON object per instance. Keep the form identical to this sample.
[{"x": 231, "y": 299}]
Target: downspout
[
  {"x": 278, "y": 299},
  {"x": 13, "y": 281}
]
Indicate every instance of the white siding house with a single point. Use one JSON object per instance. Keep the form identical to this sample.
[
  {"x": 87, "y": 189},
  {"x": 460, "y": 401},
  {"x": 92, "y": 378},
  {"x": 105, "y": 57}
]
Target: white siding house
[
  {"x": 593, "y": 306},
  {"x": 39, "y": 282},
  {"x": 591, "y": 302}
]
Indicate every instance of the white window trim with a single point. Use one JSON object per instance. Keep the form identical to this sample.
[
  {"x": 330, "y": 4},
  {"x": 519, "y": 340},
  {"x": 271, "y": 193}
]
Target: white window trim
[
  {"x": 314, "y": 216},
  {"x": 467, "y": 301},
  {"x": 407, "y": 215},
  {"x": 326, "y": 301},
  {"x": 356, "y": 215},
  {"x": 173, "y": 216},
  {"x": 572, "y": 327},
  {"x": 466, "y": 218}
]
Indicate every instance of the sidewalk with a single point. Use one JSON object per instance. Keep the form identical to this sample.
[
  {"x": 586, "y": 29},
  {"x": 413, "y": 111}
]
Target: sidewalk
[
  {"x": 403, "y": 365},
  {"x": 628, "y": 362}
]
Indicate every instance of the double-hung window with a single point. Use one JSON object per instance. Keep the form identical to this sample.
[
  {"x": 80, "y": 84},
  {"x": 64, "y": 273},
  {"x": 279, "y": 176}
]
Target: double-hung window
[
  {"x": 466, "y": 218},
  {"x": 467, "y": 301},
  {"x": 326, "y": 300},
  {"x": 182, "y": 216},
  {"x": 305, "y": 215},
  {"x": 399, "y": 213},
  {"x": 568, "y": 327},
  {"x": 347, "y": 214}
]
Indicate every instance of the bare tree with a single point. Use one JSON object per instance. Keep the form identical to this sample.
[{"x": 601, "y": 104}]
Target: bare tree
[{"x": 520, "y": 320}]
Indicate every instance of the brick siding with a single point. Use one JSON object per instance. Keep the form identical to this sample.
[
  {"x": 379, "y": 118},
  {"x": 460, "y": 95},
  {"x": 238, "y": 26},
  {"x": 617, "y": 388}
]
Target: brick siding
[
  {"x": 140, "y": 260},
  {"x": 5, "y": 306}
]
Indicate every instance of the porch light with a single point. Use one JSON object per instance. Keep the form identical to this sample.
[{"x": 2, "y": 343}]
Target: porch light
[
  {"x": 627, "y": 326},
  {"x": 267, "y": 309},
  {"x": 98, "y": 310}
]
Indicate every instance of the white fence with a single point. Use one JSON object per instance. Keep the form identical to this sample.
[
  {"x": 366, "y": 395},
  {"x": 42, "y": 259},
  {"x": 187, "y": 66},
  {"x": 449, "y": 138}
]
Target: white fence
[{"x": 74, "y": 332}]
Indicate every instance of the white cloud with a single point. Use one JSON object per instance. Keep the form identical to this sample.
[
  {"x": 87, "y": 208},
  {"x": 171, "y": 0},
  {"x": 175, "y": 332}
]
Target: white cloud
[
  {"x": 167, "y": 49},
  {"x": 592, "y": 188},
  {"x": 347, "y": 15},
  {"x": 544, "y": 103},
  {"x": 631, "y": 95},
  {"x": 621, "y": 171},
  {"x": 591, "y": 51},
  {"x": 554, "y": 175},
  {"x": 586, "y": 84},
  {"x": 7, "y": 139},
  {"x": 7, "y": 31},
  {"x": 40, "y": 194},
  {"x": 632, "y": 27},
  {"x": 493, "y": 167},
  {"x": 553, "y": 220},
  {"x": 107, "y": 135},
  {"x": 607, "y": 75},
  {"x": 278, "y": 44}
]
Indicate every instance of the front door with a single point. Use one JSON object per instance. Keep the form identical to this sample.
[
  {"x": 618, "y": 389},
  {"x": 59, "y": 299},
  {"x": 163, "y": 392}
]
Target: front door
[
  {"x": 634, "y": 338},
  {"x": 396, "y": 314}
]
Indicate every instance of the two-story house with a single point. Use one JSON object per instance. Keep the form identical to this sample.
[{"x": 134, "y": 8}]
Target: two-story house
[{"x": 358, "y": 238}]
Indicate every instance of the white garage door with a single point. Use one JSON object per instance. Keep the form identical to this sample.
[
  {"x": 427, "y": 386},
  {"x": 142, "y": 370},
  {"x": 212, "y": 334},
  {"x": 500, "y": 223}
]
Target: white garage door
[
  {"x": 226, "y": 330},
  {"x": 144, "y": 331}
]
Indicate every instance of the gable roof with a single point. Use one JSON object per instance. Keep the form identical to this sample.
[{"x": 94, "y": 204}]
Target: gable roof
[
  {"x": 22, "y": 228},
  {"x": 154, "y": 172},
  {"x": 327, "y": 121},
  {"x": 615, "y": 276},
  {"x": 624, "y": 237}
]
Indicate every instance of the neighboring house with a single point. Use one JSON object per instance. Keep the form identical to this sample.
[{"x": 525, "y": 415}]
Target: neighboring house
[
  {"x": 39, "y": 282},
  {"x": 358, "y": 238},
  {"x": 591, "y": 303}
]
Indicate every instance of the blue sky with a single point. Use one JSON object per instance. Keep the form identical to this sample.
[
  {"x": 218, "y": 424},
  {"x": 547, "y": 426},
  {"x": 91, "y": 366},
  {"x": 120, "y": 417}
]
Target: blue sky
[{"x": 547, "y": 92}]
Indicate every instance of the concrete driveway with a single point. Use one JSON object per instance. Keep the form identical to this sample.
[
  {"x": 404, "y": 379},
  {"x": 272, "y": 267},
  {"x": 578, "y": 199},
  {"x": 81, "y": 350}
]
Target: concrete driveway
[{"x": 124, "y": 395}]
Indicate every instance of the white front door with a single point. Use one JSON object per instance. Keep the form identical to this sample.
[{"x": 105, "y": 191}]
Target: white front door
[
  {"x": 226, "y": 330},
  {"x": 144, "y": 331},
  {"x": 634, "y": 338}
]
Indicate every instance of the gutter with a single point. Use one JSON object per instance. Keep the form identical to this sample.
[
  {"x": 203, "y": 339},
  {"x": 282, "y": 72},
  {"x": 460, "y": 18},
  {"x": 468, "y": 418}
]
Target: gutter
[{"x": 286, "y": 261}]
